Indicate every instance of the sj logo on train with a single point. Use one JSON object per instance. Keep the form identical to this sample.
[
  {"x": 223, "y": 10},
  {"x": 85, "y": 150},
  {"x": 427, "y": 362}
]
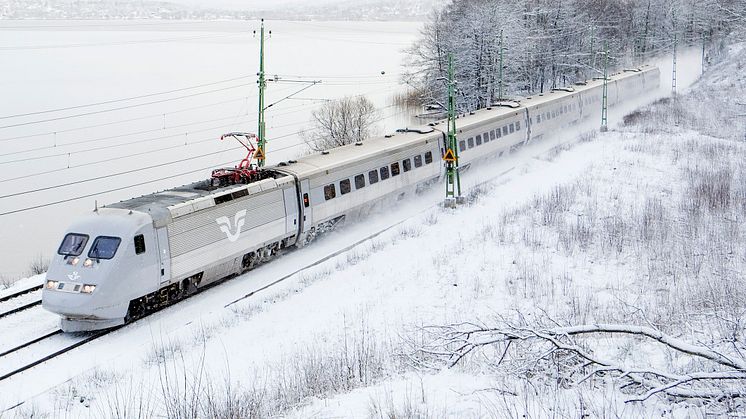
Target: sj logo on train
[{"x": 232, "y": 229}]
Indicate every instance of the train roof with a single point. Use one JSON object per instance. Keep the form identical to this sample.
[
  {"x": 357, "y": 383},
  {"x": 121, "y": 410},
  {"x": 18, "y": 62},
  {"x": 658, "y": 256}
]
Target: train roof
[
  {"x": 178, "y": 201},
  {"x": 507, "y": 108},
  {"x": 175, "y": 202}
]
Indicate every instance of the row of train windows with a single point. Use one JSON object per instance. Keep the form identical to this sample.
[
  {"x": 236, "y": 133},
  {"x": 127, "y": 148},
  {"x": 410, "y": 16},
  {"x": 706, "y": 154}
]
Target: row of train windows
[
  {"x": 555, "y": 113},
  {"x": 489, "y": 136},
  {"x": 394, "y": 169},
  {"x": 590, "y": 100}
]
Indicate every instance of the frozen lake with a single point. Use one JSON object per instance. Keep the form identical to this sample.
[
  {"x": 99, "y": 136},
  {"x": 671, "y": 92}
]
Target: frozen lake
[{"x": 52, "y": 69}]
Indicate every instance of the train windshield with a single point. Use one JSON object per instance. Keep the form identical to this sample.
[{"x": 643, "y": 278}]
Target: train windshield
[
  {"x": 104, "y": 247},
  {"x": 73, "y": 244}
]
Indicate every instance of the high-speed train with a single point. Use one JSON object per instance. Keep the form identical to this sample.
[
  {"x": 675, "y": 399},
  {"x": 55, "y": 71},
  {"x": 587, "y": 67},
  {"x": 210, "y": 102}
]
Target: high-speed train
[{"x": 126, "y": 259}]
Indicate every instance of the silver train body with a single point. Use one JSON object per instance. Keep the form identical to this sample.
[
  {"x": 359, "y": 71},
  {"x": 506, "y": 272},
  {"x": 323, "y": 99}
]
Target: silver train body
[{"x": 159, "y": 247}]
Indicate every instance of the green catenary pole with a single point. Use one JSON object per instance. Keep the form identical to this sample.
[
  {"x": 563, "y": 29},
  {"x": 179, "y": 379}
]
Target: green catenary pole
[
  {"x": 262, "y": 86},
  {"x": 605, "y": 98},
  {"x": 453, "y": 179},
  {"x": 675, "y": 47},
  {"x": 500, "y": 91}
]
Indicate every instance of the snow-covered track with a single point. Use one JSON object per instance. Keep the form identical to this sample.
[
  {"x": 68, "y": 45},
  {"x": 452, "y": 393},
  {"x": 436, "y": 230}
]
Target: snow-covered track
[
  {"x": 29, "y": 343},
  {"x": 19, "y": 301},
  {"x": 42, "y": 349},
  {"x": 19, "y": 293},
  {"x": 20, "y": 308}
]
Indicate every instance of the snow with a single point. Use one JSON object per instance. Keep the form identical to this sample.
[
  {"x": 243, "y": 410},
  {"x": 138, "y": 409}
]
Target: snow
[
  {"x": 502, "y": 253},
  {"x": 378, "y": 283}
]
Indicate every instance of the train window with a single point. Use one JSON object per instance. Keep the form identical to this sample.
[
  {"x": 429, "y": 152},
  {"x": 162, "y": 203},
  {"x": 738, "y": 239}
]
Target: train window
[
  {"x": 73, "y": 244},
  {"x": 418, "y": 161},
  {"x": 505, "y": 130},
  {"x": 139, "y": 244},
  {"x": 548, "y": 116},
  {"x": 240, "y": 193},
  {"x": 345, "y": 186},
  {"x": 395, "y": 170},
  {"x": 479, "y": 139},
  {"x": 498, "y": 133},
  {"x": 512, "y": 128},
  {"x": 470, "y": 141},
  {"x": 223, "y": 199},
  {"x": 428, "y": 157},
  {"x": 373, "y": 176},
  {"x": 518, "y": 126},
  {"x": 538, "y": 119},
  {"x": 359, "y": 182},
  {"x": 462, "y": 145},
  {"x": 492, "y": 135},
  {"x": 384, "y": 173},
  {"x": 104, "y": 247},
  {"x": 486, "y": 136},
  {"x": 407, "y": 165},
  {"x": 330, "y": 192}
]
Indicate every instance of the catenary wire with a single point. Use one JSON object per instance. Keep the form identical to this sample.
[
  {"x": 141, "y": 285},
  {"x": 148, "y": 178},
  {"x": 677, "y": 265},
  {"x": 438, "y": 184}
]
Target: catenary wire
[
  {"x": 48, "y": 204},
  {"x": 21, "y": 124},
  {"x": 107, "y": 102}
]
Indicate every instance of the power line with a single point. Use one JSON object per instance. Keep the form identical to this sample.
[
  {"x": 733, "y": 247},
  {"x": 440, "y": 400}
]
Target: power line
[
  {"x": 163, "y": 178},
  {"x": 123, "y": 107},
  {"x": 142, "y": 153},
  {"x": 126, "y": 172},
  {"x": 56, "y": 146},
  {"x": 124, "y": 99},
  {"x": 178, "y": 134},
  {"x": 122, "y": 121},
  {"x": 158, "y": 115},
  {"x": 62, "y": 201}
]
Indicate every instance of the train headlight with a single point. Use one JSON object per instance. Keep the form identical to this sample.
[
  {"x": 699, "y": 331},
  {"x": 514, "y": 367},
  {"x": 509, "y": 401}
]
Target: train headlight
[
  {"x": 73, "y": 261},
  {"x": 87, "y": 289},
  {"x": 88, "y": 263},
  {"x": 52, "y": 284}
]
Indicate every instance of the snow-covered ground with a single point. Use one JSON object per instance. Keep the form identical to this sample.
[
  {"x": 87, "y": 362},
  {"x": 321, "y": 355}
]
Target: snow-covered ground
[{"x": 638, "y": 226}]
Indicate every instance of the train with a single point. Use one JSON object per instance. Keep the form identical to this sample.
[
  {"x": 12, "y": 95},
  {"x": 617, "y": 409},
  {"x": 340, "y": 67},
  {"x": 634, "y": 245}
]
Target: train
[{"x": 127, "y": 259}]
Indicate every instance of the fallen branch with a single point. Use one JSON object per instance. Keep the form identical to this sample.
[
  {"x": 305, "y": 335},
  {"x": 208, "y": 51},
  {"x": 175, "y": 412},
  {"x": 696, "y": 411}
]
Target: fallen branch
[{"x": 453, "y": 343}]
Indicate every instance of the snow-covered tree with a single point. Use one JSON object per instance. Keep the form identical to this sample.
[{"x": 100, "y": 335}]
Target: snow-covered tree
[{"x": 552, "y": 43}]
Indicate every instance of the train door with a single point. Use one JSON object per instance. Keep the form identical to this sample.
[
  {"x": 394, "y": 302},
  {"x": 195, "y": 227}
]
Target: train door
[
  {"x": 164, "y": 255},
  {"x": 305, "y": 190},
  {"x": 292, "y": 222}
]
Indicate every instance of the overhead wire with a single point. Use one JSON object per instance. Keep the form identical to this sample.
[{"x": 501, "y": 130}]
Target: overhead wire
[
  {"x": 175, "y": 135},
  {"x": 33, "y": 207},
  {"x": 107, "y": 102},
  {"x": 122, "y": 121},
  {"x": 88, "y": 141},
  {"x": 21, "y": 124}
]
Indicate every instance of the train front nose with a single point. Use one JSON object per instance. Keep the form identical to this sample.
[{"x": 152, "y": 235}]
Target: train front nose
[
  {"x": 66, "y": 296},
  {"x": 82, "y": 297}
]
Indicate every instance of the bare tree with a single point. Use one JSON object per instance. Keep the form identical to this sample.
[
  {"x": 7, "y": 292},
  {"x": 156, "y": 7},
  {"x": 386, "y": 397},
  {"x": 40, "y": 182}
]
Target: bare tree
[
  {"x": 340, "y": 122},
  {"x": 555, "y": 350}
]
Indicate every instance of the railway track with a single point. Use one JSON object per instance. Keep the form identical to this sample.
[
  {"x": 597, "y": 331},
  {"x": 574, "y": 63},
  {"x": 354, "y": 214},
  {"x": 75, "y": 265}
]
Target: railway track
[
  {"x": 50, "y": 345},
  {"x": 23, "y": 304}
]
